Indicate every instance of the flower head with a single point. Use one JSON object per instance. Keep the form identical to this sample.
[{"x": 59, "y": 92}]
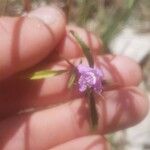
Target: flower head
[{"x": 90, "y": 78}]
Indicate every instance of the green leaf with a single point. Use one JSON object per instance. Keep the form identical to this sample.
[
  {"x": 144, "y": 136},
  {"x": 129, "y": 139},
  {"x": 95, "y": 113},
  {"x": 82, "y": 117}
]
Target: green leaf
[
  {"x": 92, "y": 110},
  {"x": 71, "y": 80},
  {"x": 46, "y": 74},
  {"x": 85, "y": 48}
]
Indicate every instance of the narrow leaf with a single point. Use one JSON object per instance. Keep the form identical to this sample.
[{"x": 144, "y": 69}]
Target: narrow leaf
[
  {"x": 85, "y": 48},
  {"x": 92, "y": 110},
  {"x": 71, "y": 80},
  {"x": 46, "y": 74}
]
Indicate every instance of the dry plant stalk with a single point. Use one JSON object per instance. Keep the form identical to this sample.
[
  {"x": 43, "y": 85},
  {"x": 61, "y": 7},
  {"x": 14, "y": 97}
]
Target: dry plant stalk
[
  {"x": 3, "y": 5},
  {"x": 27, "y": 5}
]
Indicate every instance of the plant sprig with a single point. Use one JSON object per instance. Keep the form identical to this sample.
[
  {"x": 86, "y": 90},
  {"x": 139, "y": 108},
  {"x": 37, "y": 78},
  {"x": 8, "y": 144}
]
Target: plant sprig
[{"x": 74, "y": 76}]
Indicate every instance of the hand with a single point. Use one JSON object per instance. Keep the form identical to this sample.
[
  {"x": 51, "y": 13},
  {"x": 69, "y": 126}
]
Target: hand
[{"x": 55, "y": 117}]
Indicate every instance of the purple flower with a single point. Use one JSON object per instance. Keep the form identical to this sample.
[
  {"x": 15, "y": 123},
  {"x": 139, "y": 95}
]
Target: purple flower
[{"x": 90, "y": 78}]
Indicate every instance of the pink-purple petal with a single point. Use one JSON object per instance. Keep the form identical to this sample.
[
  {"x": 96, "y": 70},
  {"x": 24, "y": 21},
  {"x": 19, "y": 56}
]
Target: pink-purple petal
[{"x": 90, "y": 78}]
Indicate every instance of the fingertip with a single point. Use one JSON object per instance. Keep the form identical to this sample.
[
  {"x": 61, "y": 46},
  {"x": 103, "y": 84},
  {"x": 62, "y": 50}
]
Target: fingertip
[
  {"x": 53, "y": 17},
  {"x": 26, "y": 40},
  {"x": 134, "y": 72},
  {"x": 131, "y": 108},
  {"x": 123, "y": 69},
  {"x": 142, "y": 104}
]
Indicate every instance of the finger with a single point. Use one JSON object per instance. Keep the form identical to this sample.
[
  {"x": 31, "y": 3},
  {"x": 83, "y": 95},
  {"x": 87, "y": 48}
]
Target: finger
[
  {"x": 70, "y": 48},
  {"x": 28, "y": 39},
  {"x": 94, "y": 142},
  {"x": 43, "y": 129},
  {"x": 28, "y": 94}
]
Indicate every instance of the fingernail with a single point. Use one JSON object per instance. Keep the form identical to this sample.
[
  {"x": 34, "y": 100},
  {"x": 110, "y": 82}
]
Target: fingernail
[{"x": 48, "y": 15}]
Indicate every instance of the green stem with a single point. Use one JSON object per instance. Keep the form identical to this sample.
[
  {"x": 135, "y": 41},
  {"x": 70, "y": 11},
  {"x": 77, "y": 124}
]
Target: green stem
[{"x": 92, "y": 110}]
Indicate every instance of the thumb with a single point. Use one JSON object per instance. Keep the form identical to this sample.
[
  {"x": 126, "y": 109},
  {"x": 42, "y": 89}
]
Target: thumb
[{"x": 26, "y": 40}]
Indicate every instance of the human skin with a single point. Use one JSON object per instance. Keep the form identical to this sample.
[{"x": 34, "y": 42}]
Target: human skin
[{"x": 60, "y": 117}]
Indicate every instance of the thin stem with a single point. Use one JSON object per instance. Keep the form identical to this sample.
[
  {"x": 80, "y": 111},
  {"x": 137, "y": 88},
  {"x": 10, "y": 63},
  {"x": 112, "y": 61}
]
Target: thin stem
[
  {"x": 92, "y": 110},
  {"x": 68, "y": 8},
  {"x": 27, "y": 5}
]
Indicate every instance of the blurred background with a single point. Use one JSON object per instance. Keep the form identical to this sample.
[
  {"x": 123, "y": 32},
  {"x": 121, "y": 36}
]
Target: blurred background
[{"x": 124, "y": 27}]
